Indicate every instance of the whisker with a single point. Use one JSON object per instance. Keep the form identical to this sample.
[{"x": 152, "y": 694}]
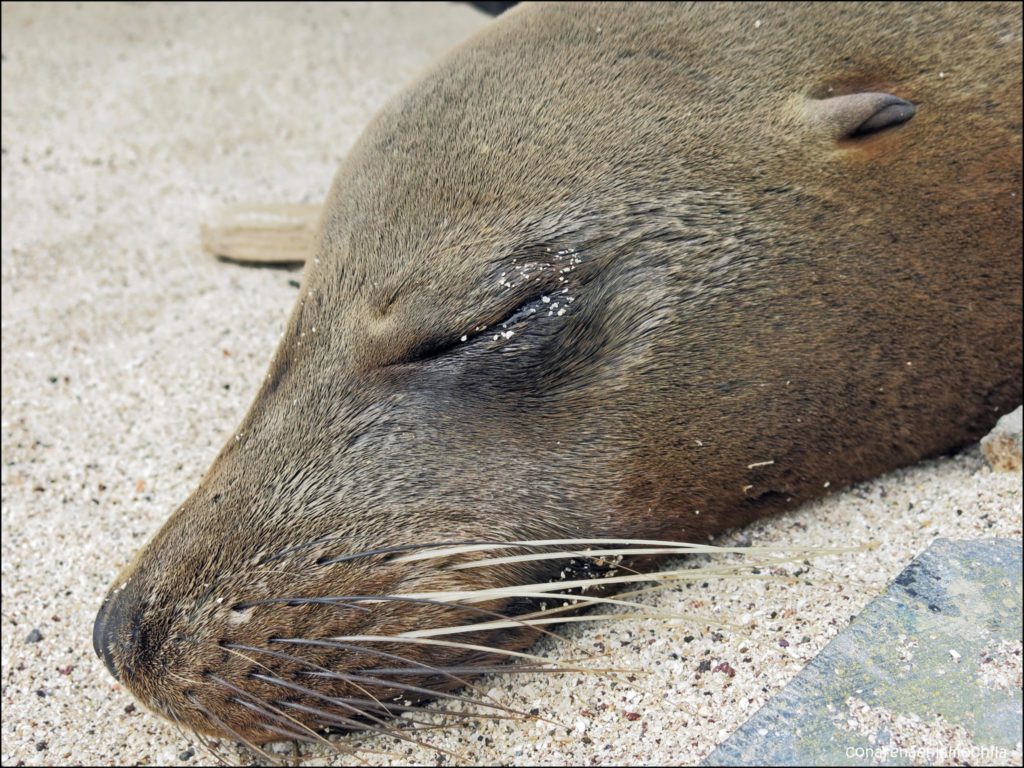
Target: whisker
[
  {"x": 348, "y": 703},
  {"x": 450, "y": 548},
  {"x": 461, "y": 596},
  {"x": 388, "y": 708},
  {"x": 295, "y": 601},
  {"x": 567, "y": 597},
  {"x": 393, "y": 550},
  {"x": 392, "y": 732},
  {"x": 432, "y": 602},
  {"x": 384, "y": 654},
  {"x": 299, "y": 547},
  {"x": 291, "y": 735},
  {"x": 444, "y": 671},
  {"x": 228, "y": 729},
  {"x": 504, "y": 669},
  {"x": 271, "y": 716},
  {"x": 208, "y": 745},
  {"x": 696, "y": 618},
  {"x": 587, "y": 554},
  {"x": 359, "y": 649},
  {"x": 673, "y": 547},
  {"x": 574, "y": 599},
  {"x": 304, "y": 662},
  {"x": 492, "y": 625},
  {"x": 427, "y": 692},
  {"x": 591, "y": 600},
  {"x": 180, "y": 728},
  {"x": 393, "y": 708},
  {"x": 444, "y": 643},
  {"x": 270, "y": 712},
  {"x": 236, "y": 649}
]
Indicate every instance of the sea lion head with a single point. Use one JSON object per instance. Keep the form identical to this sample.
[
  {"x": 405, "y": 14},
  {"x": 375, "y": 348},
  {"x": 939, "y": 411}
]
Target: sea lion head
[{"x": 562, "y": 288}]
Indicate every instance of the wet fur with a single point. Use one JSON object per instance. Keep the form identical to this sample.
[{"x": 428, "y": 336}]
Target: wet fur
[{"x": 749, "y": 289}]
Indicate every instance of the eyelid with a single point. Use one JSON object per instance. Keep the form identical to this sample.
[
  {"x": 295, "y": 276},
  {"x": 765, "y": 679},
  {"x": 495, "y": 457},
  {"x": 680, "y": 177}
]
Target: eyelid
[
  {"x": 549, "y": 286},
  {"x": 438, "y": 347}
]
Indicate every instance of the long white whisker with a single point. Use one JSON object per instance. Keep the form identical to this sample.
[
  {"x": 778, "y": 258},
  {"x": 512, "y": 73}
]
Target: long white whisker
[
  {"x": 672, "y": 547},
  {"x": 479, "y": 595},
  {"x": 492, "y": 625},
  {"x": 443, "y": 643},
  {"x": 589, "y": 554}
]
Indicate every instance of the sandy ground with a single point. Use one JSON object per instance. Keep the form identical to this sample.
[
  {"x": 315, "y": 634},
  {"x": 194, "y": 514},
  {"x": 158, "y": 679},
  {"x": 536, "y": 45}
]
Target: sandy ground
[{"x": 129, "y": 356}]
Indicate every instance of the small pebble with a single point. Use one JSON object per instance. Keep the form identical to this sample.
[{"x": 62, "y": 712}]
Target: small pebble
[
  {"x": 34, "y": 636},
  {"x": 726, "y": 668}
]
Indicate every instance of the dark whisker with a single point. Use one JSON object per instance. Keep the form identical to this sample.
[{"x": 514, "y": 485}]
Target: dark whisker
[
  {"x": 383, "y": 654},
  {"x": 349, "y": 722},
  {"x": 390, "y": 709},
  {"x": 295, "y": 601},
  {"x": 228, "y": 729},
  {"x": 269, "y": 712},
  {"x": 292, "y": 736},
  {"x": 393, "y": 709},
  {"x": 269, "y": 715},
  {"x": 202, "y": 739},
  {"x": 289, "y": 657},
  {"x": 356, "y": 724},
  {"x": 386, "y": 708},
  {"x": 346, "y": 703},
  {"x": 298, "y": 548},
  {"x": 428, "y": 692}
]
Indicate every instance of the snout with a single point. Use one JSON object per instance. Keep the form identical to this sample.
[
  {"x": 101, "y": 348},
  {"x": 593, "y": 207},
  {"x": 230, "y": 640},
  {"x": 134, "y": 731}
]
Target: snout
[{"x": 120, "y": 634}]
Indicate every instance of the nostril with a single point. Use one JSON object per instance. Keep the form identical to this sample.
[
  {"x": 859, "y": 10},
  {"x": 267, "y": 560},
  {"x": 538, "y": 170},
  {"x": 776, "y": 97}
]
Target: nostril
[{"x": 105, "y": 629}]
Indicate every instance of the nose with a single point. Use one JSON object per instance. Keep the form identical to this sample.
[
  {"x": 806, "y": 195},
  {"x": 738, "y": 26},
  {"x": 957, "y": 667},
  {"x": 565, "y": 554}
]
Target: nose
[{"x": 106, "y": 630}]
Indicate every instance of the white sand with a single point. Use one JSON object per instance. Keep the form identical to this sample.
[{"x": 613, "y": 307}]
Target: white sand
[{"x": 129, "y": 356}]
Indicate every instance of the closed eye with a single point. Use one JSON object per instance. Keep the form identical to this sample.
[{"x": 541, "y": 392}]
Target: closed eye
[{"x": 519, "y": 320}]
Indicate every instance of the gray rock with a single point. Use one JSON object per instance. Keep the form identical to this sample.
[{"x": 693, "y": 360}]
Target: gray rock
[{"x": 929, "y": 671}]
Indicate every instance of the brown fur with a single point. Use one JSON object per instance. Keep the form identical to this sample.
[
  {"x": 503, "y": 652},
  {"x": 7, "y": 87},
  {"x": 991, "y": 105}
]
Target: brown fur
[{"x": 751, "y": 287}]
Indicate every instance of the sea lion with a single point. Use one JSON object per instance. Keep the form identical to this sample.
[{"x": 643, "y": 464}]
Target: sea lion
[{"x": 612, "y": 271}]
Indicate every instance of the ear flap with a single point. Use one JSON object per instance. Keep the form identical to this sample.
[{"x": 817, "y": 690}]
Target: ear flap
[{"x": 859, "y": 114}]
